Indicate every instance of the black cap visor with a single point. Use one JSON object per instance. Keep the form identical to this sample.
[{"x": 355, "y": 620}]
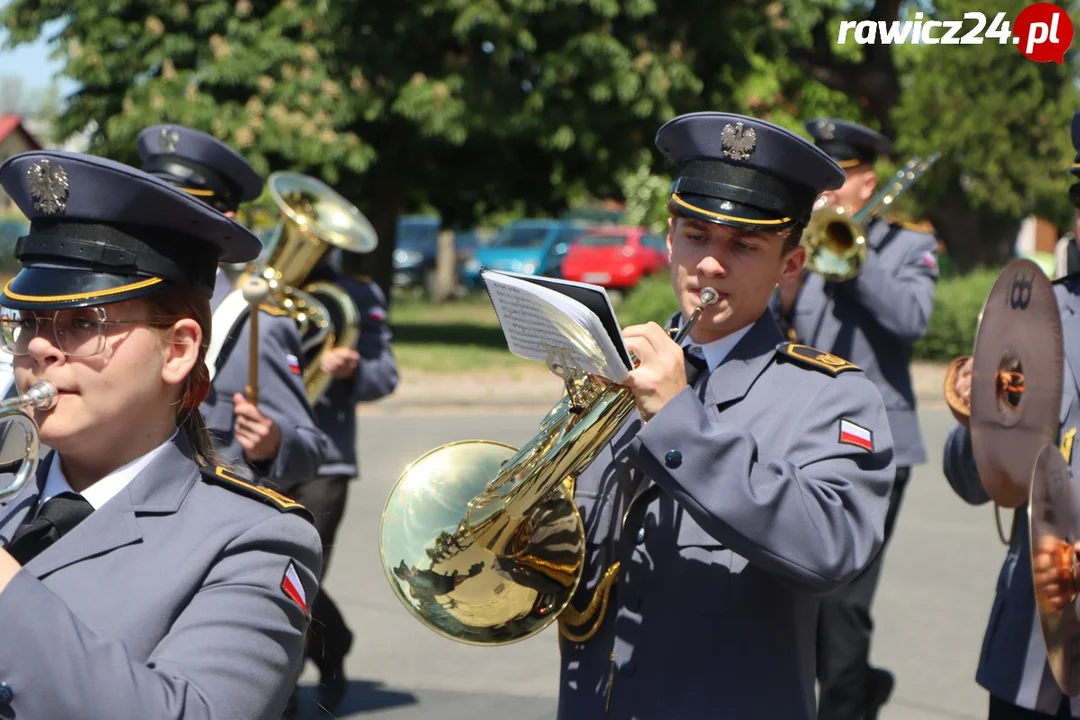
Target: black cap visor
[{"x": 42, "y": 287}]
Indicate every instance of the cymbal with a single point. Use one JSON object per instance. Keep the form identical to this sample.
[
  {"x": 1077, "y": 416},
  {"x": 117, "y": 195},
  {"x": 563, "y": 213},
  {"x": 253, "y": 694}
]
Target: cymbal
[
  {"x": 1054, "y": 524},
  {"x": 1017, "y": 373}
]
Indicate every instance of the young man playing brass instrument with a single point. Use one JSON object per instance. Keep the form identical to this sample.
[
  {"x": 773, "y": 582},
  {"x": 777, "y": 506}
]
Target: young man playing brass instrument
[{"x": 755, "y": 476}]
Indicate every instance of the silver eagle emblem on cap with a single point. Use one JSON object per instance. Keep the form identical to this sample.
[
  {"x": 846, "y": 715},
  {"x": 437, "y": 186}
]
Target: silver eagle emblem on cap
[
  {"x": 825, "y": 129},
  {"x": 170, "y": 138},
  {"x": 48, "y": 187},
  {"x": 738, "y": 141}
]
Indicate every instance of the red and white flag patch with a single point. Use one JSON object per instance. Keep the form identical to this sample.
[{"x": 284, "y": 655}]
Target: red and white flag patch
[
  {"x": 293, "y": 588},
  {"x": 929, "y": 260},
  {"x": 377, "y": 314},
  {"x": 294, "y": 364},
  {"x": 852, "y": 434}
]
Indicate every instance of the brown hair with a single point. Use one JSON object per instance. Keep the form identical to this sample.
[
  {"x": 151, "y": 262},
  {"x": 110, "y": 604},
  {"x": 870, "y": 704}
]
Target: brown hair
[{"x": 182, "y": 301}]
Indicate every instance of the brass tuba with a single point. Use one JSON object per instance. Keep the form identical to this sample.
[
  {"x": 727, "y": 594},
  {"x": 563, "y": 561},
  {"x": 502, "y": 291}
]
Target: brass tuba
[
  {"x": 835, "y": 240},
  {"x": 314, "y": 218},
  {"x": 484, "y": 544}
]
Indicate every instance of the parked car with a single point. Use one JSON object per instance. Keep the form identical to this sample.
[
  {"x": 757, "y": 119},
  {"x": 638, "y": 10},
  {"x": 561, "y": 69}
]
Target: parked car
[
  {"x": 414, "y": 251},
  {"x": 532, "y": 247},
  {"x": 615, "y": 257}
]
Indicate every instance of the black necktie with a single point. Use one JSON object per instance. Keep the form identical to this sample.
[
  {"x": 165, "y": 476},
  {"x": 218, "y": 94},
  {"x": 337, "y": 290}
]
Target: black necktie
[
  {"x": 694, "y": 366},
  {"x": 59, "y": 516}
]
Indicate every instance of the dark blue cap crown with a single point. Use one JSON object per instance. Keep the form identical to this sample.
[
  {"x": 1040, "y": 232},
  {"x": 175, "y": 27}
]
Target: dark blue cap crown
[
  {"x": 104, "y": 232},
  {"x": 199, "y": 164},
  {"x": 848, "y": 143},
  {"x": 744, "y": 172}
]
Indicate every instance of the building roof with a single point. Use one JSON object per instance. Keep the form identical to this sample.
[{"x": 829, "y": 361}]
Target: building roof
[{"x": 13, "y": 122}]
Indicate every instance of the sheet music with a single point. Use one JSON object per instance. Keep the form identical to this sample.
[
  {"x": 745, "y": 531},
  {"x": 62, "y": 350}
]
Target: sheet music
[{"x": 539, "y": 323}]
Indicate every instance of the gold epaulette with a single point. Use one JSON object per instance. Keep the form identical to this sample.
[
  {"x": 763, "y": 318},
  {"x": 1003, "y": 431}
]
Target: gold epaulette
[
  {"x": 816, "y": 359},
  {"x": 363, "y": 278},
  {"x": 221, "y": 476},
  {"x": 273, "y": 310}
]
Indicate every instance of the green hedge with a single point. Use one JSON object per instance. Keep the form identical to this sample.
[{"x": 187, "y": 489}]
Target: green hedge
[{"x": 957, "y": 304}]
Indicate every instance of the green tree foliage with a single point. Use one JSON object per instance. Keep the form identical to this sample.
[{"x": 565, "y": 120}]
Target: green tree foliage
[{"x": 1000, "y": 121}]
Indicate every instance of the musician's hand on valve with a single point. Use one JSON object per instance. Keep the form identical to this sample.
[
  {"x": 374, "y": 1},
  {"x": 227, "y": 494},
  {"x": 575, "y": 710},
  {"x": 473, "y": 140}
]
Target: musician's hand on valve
[
  {"x": 660, "y": 373},
  {"x": 1053, "y": 565},
  {"x": 340, "y": 362},
  {"x": 257, "y": 434}
]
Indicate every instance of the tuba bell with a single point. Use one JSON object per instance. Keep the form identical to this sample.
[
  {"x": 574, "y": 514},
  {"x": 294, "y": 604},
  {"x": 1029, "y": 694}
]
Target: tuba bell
[
  {"x": 484, "y": 544},
  {"x": 313, "y": 219},
  {"x": 835, "y": 240}
]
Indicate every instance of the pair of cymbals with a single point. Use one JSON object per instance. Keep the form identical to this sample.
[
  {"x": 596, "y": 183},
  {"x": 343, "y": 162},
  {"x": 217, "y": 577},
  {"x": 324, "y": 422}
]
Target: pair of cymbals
[
  {"x": 1016, "y": 381},
  {"x": 1017, "y": 375}
]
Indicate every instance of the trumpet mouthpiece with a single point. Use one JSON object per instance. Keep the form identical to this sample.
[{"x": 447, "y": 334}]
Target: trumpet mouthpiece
[
  {"x": 42, "y": 395},
  {"x": 708, "y": 296}
]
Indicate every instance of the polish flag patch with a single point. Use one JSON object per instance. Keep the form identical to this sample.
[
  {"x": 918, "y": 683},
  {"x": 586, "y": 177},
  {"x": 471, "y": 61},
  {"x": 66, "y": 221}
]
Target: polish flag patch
[
  {"x": 852, "y": 434},
  {"x": 293, "y": 588},
  {"x": 294, "y": 364},
  {"x": 929, "y": 260},
  {"x": 377, "y": 314}
]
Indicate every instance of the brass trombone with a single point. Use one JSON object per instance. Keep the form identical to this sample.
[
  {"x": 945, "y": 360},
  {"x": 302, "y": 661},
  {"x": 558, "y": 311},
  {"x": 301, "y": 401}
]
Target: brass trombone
[
  {"x": 835, "y": 241},
  {"x": 483, "y": 543}
]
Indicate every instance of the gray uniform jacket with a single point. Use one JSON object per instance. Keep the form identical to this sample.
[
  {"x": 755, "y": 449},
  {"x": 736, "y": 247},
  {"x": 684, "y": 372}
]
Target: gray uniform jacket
[
  {"x": 874, "y": 319},
  {"x": 1012, "y": 664},
  {"x": 282, "y": 397},
  {"x": 376, "y": 375},
  {"x": 166, "y": 602},
  {"x": 730, "y": 511}
]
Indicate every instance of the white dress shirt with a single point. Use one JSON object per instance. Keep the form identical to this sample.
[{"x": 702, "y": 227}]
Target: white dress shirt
[
  {"x": 716, "y": 351},
  {"x": 104, "y": 489}
]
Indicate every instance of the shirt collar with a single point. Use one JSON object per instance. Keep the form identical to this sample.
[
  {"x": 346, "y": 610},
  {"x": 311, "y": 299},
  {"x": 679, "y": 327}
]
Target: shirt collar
[
  {"x": 717, "y": 351},
  {"x": 104, "y": 489}
]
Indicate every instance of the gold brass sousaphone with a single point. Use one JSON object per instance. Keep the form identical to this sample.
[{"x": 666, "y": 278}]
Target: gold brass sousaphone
[
  {"x": 483, "y": 543},
  {"x": 314, "y": 219},
  {"x": 835, "y": 240}
]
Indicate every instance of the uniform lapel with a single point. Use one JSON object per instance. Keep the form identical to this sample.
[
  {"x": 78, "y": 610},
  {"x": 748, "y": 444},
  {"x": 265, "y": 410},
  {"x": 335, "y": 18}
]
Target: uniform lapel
[
  {"x": 732, "y": 380},
  {"x": 158, "y": 489}
]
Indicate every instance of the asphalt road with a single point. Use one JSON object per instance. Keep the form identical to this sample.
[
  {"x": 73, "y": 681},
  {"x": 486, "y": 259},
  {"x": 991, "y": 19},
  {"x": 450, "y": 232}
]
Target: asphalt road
[{"x": 931, "y": 608}]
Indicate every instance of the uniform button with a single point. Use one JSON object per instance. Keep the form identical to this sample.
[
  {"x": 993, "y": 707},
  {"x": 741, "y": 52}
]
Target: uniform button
[
  {"x": 6, "y": 694},
  {"x": 640, "y": 536},
  {"x": 673, "y": 459},
  {"x": 633, "y": 603},
  {"x": 628, "y": 668}
]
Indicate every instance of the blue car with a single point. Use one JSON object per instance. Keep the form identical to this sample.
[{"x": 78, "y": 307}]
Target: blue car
[{"x": 532, "y": 247}]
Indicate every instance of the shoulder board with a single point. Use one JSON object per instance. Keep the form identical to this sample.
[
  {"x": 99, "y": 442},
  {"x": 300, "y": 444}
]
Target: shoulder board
[
  {"x": 366, "y": 279},
  {"x": 221, "y": 476},
  {"x": 816, "y": 359},
  {"x": 273, "y": 310},
  {"x": 911, "y": 227}
]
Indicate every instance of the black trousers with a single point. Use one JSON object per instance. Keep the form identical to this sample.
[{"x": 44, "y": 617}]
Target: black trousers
[
  {"x": 329, "y": 638},
  {"x": 1001, "y": 710},
  {"x": 844, "y": 630}
]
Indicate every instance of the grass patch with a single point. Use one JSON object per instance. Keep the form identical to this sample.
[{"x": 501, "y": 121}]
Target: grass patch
[{"x": 459, "y": 335}]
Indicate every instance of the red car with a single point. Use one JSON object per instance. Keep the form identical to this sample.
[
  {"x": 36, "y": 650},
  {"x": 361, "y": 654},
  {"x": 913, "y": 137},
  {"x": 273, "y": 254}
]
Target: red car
[{"x": 615, "y": 256}]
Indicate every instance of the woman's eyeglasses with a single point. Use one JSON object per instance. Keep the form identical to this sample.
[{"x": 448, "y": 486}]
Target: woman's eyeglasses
[{"x": 79, "y": 332}]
